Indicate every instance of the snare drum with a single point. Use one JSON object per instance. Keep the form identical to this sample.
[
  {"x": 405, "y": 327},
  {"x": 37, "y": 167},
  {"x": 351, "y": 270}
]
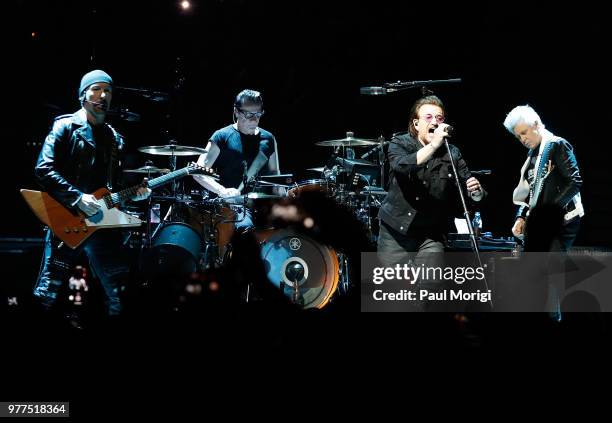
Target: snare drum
[
  {"x": 321, "y": 185},
  {"x": 294, "y": 260}
]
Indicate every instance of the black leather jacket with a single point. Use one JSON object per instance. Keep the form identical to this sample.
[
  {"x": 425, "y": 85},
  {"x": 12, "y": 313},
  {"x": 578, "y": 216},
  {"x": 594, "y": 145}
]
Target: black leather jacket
[
  {"x": 423, "y": 196},
  {"x": 68, "y": 156},
  {"x": 557, "y": 182}
]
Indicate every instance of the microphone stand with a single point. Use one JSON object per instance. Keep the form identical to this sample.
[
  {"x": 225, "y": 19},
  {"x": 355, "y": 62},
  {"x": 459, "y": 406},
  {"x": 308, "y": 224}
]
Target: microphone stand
[
  {"x": 466, "y": 213},
  {"x": 391, "y": 87},
  {"x": 401, "y": 85}
]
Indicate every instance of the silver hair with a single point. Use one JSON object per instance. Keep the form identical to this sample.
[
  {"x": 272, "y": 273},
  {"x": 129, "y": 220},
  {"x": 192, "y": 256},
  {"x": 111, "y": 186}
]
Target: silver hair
[{"x": 521, "y": 114}]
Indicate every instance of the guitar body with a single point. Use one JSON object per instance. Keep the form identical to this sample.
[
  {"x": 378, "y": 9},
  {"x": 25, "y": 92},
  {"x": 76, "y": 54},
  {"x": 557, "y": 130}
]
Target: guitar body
[{"x": 73, "y": 229}]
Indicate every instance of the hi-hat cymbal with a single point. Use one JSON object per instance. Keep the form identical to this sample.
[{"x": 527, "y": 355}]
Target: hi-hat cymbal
[
  {"x": 317, "y": 169},
  {"x": 347, "y": 142},
  {"x": 147, "y": 169},
  {"x": 172, "y": 150}
]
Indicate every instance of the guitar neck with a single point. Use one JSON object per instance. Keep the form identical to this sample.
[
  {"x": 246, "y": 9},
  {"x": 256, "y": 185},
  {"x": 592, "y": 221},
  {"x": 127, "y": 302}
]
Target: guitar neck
[{"x": 117, "y": 197}]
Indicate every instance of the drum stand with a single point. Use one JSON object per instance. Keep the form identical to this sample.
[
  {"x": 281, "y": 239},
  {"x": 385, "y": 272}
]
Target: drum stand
[
  {"x": 295, "y": 274},
  {"x": 345, "y": 280}
]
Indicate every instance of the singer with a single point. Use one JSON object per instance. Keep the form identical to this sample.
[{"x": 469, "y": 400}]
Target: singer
[
  {"x": 422, "y": 197},
  {"x": 80, "y": 155},
  {"x": 240, "y": 151}
]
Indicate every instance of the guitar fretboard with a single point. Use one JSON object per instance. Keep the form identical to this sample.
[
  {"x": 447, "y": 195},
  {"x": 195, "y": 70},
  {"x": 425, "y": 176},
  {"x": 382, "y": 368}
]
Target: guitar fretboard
[{"x": 115, "y": 198}]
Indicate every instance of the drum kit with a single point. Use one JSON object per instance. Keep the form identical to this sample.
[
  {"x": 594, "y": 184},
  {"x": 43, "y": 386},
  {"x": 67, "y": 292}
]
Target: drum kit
[
  {"x": 353, "y": 182},
  {"x": 190, "y": 232}
]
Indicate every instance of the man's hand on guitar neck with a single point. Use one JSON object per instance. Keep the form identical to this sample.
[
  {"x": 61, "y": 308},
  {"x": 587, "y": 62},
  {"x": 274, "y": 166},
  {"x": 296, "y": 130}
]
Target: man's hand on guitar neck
[
  {"x": 142, "y": 194},
  {"x": 88, "y": 204}
]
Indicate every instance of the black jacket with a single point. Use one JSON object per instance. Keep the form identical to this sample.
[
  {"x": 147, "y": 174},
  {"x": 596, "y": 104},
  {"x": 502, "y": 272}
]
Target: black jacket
[
  {"x": 422, "y": 196},
  {"x": 557, "y": 180},
  {"x": 67, "y": 157}
]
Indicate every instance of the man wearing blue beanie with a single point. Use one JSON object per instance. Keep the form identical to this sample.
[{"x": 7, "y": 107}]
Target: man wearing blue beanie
[
  {"x": 80, "y": 155},
  {"x": 95, "y": 94}
]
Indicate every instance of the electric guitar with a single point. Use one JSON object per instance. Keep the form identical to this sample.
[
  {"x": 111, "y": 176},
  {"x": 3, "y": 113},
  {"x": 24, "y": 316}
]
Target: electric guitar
[{"x": 73, "y": 228}]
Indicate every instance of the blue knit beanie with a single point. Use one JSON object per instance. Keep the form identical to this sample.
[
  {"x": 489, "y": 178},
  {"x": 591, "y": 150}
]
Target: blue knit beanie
[{"x": 93, "y": 77}]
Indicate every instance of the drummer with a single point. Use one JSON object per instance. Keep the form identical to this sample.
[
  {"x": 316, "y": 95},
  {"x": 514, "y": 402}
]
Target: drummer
[{"x": 239, "y": 152}]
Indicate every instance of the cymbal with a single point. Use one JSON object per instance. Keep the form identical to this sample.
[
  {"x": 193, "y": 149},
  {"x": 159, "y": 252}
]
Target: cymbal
[
  {"x": 147, "y": 169},
  {"x": 347, "y": 142},
  {"x": 317, "y": 169},
  {"x": 172, "y": 150}
]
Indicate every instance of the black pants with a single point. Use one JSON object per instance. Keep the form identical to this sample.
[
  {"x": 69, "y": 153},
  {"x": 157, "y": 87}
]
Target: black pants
[
  {"x": 567, "y": 236},
  {"x": 416, "y": 248},
  {"x": 107, "y": 258}
]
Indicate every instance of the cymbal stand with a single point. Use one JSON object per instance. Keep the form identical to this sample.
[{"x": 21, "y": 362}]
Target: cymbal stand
[
  {"x": 345, "y": 281},
  {"x": 381, "y": 161},
  {"x": 172, "y": 160}
]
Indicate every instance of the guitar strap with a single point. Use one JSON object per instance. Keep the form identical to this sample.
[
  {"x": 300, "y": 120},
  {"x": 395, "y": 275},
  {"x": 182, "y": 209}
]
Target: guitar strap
[{"x": 114, "y": 159}]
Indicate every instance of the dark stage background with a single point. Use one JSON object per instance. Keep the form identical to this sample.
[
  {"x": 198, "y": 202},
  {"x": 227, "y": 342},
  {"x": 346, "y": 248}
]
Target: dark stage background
[{"x": 309, "y": 60}]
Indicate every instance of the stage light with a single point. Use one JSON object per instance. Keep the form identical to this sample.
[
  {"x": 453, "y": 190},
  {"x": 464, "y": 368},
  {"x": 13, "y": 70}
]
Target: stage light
[{"x": 185, "y": 5}]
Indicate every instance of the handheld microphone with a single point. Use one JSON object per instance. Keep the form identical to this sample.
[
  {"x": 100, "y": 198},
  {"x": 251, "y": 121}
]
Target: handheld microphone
[{"x": 449, "y": 130}]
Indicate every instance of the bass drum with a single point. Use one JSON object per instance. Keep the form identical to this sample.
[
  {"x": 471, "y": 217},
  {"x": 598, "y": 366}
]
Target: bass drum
[
  {"x": 175, "y": 251},
  {"x": 292, "y": 258}
]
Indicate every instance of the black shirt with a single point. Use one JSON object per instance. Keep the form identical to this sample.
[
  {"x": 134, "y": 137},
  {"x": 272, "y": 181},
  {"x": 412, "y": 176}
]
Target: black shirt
[
  {"x": 237, "y": 148},
  {"x": 103, "y": 138},
  {"x": 530, "y": 170}
]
